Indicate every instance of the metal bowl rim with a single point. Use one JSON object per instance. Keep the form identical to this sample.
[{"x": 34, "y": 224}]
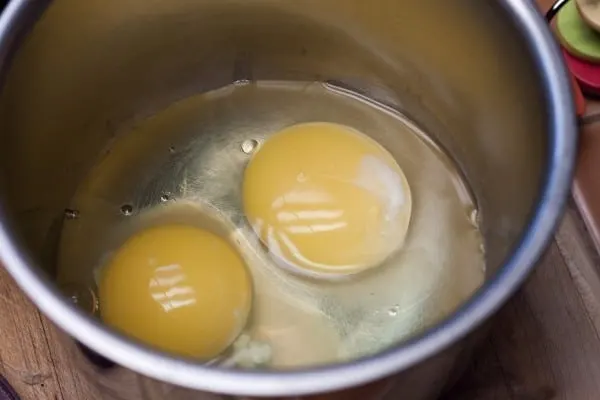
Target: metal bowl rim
[{"x": 20, "y": 15}]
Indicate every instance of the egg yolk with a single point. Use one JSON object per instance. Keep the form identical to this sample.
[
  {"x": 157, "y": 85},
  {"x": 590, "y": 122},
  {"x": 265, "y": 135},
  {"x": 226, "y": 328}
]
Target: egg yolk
[
  {"x": 178, "y": 288},
  {"x": 326, "y": 199}
]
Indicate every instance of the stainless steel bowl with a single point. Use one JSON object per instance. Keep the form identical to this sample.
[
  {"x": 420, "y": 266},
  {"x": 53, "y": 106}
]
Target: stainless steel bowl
[{"x": 483, "y": 78}]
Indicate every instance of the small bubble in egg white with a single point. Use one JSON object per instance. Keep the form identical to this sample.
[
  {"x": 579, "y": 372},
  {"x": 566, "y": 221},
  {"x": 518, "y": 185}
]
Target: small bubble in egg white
[
  {"x": 165, "y": 197},
  {"x": 302, "y": 177},
  {"x": 71, "y": 214},
  {"x": 393, "y": 311},
  {"x": 249, "y": 146},
  {"x": 81, "y": 296},
  {"x": 474, "y": 217},
  {"x": 127, "y": 210},
  {"x": 172, "y": 149}
]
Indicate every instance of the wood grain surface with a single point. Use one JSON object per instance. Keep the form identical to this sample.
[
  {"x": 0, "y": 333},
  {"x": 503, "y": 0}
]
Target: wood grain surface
[
  {"x": 31, "y": 355},
  {"x": 545, "y": 344}
]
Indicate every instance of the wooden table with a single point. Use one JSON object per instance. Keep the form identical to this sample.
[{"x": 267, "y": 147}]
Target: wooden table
[{"x": 545, "y": 343}]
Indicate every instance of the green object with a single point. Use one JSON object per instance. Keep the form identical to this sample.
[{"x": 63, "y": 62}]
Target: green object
[{"x": 576, "y": 36}]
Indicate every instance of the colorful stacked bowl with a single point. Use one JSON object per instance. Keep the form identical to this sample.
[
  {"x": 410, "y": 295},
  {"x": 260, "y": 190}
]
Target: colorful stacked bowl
[{"x": 578, "y": 30}]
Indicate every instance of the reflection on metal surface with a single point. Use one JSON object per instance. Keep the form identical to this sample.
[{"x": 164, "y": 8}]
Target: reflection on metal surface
[
  {"x": 6, "y": 391},
  {"x": 106, "y": 65}
]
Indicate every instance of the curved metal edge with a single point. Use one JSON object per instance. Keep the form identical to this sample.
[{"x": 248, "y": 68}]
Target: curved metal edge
[
  {"x": 6, "y": 391},
  {"x": 253, "y": 383},
  {"x": 555, "y": 9}
]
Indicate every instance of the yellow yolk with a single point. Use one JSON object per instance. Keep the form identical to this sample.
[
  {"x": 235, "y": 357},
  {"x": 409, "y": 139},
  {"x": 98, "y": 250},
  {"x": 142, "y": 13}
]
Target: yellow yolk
[
  {"x": 178, "y": 288},
  {"x": 325, "y": 199}
]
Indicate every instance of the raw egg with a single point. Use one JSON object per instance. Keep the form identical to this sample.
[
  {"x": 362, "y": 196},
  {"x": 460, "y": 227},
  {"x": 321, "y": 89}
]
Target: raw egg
[
  {"x": 326, "y": 199},
  {"x": 178, "y": 288}
]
